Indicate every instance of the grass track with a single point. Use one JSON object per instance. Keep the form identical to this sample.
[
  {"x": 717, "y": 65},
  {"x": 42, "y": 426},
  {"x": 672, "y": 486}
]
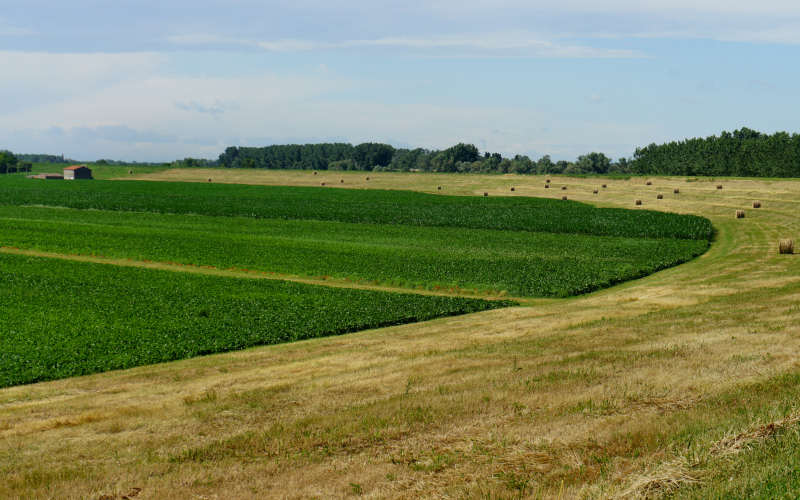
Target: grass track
[{"x": 580, "y": 397}]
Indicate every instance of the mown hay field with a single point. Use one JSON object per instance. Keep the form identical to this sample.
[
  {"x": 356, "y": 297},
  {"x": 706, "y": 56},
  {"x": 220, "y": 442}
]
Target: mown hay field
[{"x": 656, "y": 386}]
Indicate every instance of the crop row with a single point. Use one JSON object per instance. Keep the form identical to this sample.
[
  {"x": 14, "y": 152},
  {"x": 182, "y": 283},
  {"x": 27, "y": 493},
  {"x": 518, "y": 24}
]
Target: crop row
[
  {"x": 522, "y": 263},
  {"x": 61, "y": 319},
  {"x": 356, "y": 206}
]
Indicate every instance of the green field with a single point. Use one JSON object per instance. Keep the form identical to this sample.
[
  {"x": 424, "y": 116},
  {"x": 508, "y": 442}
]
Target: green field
[
  {"x": 98, "y": 171},
  {"x": 356, "y": 206},
  {"x": 521, "y": 263},
  {"x": 61, "y": 319}
]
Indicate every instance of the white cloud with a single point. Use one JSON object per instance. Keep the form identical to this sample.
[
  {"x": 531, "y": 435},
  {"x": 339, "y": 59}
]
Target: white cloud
[
  {"x": 725, "y": 7},
  {"x": 149, "y": 115},
  {"x": 478, "y": 45},
  {"x": 68, "y": 73}
]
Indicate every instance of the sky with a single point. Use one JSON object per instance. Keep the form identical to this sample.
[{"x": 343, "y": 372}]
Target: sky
[{"x": 147, "y": 80}]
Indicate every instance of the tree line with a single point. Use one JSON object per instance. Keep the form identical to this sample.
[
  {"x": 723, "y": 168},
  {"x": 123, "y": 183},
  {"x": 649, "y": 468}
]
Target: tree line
[
  {"x": 742, "y": 153},
  {"x": 10, "y": 164},
  {"x": 384, "y": 157}
]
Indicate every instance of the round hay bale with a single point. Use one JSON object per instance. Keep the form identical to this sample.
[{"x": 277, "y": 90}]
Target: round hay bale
[
  {"x": 485, "y": 193},
  {"x": 564, "y": 198},
  {"x": 676, "y": 191},
  {"x": 604, "y": 186},
  {"x": 638, "y": 202},
  {"x": 367, "y": 178},
  {"x": 740, "y": 214},
  {"x": 756, "y": 204},
  {"x": 563, "y": 188},
  {"x": 512, "y": 188},
  {"x": 209, "y": 180},
  {"x": 321, "y": 183},
  {"x": 649, "y": 183},
  {"x": 130, "y": 172},
  {"x": 659, "y": 196},
  {"x": 547, "y": 186},
  {"x": 548, "y": 181},
  {"x": 341, "y": 180},
  {"x": 786, "y": 246},
  {"x": 719, "y": 186},
  {"x": 439, "y": 188},
  {"x": 594, "y": 192},
  {"x": 315, "y": 173}
]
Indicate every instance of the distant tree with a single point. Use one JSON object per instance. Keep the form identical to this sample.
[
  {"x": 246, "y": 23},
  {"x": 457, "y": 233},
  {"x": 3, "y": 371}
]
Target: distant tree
[
  {"x": 7, "y": 162},
  {"x": 347, "y": 164},
  {"x": 593, "y": 163},
  {"x": 371, "y": 154},
  {"x": 544, "y": 165},
  {"x": 463, "y": 152},
  {"x": 621, "y": 166}
]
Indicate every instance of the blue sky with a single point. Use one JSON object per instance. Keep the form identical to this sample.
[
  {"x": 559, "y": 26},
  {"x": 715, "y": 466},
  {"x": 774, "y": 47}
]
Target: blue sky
[{"x": 157, "y": 80}]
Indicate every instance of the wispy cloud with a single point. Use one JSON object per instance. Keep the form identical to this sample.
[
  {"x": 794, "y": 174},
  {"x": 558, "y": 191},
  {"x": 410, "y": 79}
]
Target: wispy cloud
[
  {"x": 783, "y": 34},
  {"x": 215, "y": 108},
  {"x": 480, "y": 45}
]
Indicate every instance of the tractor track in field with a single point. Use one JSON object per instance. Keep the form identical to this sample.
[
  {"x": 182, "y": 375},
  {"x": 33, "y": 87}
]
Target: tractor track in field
[{"x": 254, "y": 274}]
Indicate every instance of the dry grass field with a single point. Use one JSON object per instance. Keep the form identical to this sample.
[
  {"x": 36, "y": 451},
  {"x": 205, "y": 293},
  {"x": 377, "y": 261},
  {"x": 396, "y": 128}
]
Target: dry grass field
[{"x": 652, "y": 387}]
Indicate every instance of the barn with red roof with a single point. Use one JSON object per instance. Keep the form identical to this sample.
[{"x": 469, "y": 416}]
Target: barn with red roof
[{"x": 77, "y": 172}]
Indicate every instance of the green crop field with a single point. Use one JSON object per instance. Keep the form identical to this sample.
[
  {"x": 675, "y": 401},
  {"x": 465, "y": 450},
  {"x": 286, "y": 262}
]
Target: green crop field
[
  {"x": 358, "y": 206},
  {"x": 61, "y": 319},
  {"x": 521, "y": 263}
]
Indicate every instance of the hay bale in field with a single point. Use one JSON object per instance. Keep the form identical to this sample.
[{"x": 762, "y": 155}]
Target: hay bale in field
[
  {"x": 638, "y": 202},
  {"x": 676, "y": 191},
  {"x": 341, "y": 180},
  {"x": 719, "y": 186},
  {"x": 740, "y": 214},
  {"x": 130, "y": 172},
  {"x": 547, "y": 186},
  {"x": 485, "y": 193},
  {"x": 659, "y": 196},
  {"x": 594, "y": 192},
  {"x": 209, "y": 180},
  {"x": 321, "y": 183},
  {"x": 604, "y": 186},
  {"x": 439, "y": 188},
  {"x": 649, "y": 183},
  {"x": 548, "y": 181},
  {"x": 367, "y": 178},
  {"x": 512, "y": 188},
  {"x": 756, "y": 204},
  {"x": 315, "y": 173},
  {"x": 786, "y": 247},
  {"x": 564, "y": 198},
  {"x": 563, "y": 188}
]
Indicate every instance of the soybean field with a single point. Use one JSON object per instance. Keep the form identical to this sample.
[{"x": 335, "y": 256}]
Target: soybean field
[{"x": 62, "y": 319}]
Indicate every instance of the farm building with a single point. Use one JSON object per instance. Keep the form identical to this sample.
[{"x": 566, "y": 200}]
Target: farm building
[{"x": 77, "y": 172}]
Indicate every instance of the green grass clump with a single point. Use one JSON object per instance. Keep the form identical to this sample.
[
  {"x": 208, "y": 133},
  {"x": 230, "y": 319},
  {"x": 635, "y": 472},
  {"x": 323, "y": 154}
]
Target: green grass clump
[
  {"x": 60, "y": 319},
  {"x": 520, "y": 262},
  {"x": 356, "y": 206}
]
